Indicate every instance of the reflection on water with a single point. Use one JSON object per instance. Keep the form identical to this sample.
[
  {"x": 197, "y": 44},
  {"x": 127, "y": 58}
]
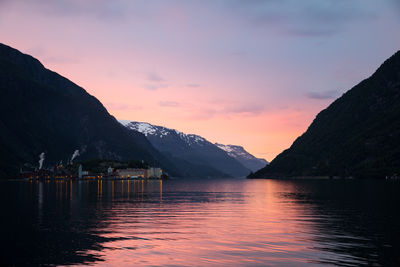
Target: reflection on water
[{"x": 212, "y": 222}]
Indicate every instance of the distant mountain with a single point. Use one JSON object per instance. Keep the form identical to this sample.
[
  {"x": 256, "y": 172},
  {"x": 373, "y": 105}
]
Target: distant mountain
[
  {"x": 193, "y": 154},
  {"x": 42, "y": 111},
  {"x": 357, "y": 135},
  {"x": 244, "y": 157}
]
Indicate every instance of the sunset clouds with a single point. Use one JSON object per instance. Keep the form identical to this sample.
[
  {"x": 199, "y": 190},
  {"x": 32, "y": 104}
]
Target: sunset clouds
[{"x": 253, "y": 73}]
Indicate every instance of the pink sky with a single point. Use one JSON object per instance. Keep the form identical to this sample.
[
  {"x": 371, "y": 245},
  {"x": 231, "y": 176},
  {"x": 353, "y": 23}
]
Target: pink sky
[{"x": 249, "y": 73}]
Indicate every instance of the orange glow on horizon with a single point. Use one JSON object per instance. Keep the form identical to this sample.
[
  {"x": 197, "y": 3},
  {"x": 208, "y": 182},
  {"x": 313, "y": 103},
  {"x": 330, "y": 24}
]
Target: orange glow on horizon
[{"x": 203, "y": 69}]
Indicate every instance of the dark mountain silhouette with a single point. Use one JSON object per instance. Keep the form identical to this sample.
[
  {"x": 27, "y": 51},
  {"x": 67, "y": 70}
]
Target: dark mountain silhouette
[
  {"x": 358, "y": 135},
  {"x": 42, "y": 111}
]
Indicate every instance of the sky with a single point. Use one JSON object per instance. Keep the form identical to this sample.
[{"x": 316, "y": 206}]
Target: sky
[{"x": 247, "y": 72}]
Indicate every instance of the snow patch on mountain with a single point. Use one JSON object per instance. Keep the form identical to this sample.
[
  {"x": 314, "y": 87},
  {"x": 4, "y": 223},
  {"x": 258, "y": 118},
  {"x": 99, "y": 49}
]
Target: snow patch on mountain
[
  {"x": 227, "y": 148},
  {"x": 235, "y": 151},
  {"x": 124, "y": 122},
  {"x": 240, "y": 154},
  {"x": 151, "y": 130}
]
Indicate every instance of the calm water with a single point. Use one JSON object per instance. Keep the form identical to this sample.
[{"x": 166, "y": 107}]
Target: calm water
[{"x": 201, "y": 223}]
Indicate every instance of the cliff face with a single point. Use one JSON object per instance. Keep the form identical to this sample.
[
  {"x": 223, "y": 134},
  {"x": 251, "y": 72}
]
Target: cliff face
[
  {"x": 42, "y": 111},
  {"x": 357, "y": 135}
]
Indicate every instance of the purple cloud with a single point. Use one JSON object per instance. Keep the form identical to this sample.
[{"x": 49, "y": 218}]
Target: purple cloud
[
  {"x": 155, "y": 86},
  {"x": 249, "y": 109},
  {"x": 312, "y": 18},
  {"x": 154, "y": 77},
  {"x": 331, "y": 94}
]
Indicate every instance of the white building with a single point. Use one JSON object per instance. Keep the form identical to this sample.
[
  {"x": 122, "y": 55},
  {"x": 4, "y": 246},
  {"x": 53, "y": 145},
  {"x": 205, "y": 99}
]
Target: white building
[
  {"x": 154, "y": 173},
  {"x": 132, "y": 173}
]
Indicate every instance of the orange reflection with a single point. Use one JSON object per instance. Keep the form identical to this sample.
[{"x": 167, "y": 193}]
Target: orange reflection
[{"x": 228, "y": 223}]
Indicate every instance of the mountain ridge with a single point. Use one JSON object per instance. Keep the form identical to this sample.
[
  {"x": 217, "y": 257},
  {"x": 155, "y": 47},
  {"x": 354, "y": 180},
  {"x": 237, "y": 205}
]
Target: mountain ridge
[
  {"x": 244, "y": 157},
  {"x": 43, "y": 111},
  {"x": 189, "y": 147},
  {"x": 358, "y": 135}
]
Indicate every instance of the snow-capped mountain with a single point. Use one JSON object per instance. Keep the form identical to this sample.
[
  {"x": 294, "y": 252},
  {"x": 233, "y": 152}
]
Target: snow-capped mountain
[
  {"x": 159, "y": 131},
  {"x": 244, "y": 157},
  {"x": 193, "y": 153}
]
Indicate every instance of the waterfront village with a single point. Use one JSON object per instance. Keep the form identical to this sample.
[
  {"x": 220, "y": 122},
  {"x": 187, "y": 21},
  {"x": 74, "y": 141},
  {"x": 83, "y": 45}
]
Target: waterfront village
[{"x": 95, "y": 169}]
